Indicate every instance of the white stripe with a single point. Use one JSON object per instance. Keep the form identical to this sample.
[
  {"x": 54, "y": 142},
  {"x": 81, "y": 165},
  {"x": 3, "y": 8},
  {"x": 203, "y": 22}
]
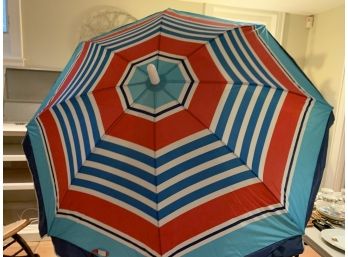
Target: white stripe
[
  {"x": 120, "y": 173},
  {"x": 101, "y": 231},
  {"x": 246, "y": 120},
  {"x": 71, "y": 142},
  {"x": 222, "y": 24},
  {"x": 88, "y": 71},
  {"x": 78, "y": 128},
  {"x": 125, "y": 159},
  {"x": 97, "y": 116},
  {"x": 182, "y": 142},
  {"x": 225, "y": 232},
  {"x": 182, "y": 39},
  {"x": 117, "y": 187},
  {"x": 269, "y": 135},
  {"x": 195, "y": 170},
  {"x": 116, "y": 40},
  {"x": 239, "y": 60},
  {"x": 184, "y": 33},
  {"x": 220, "y": 107},
  {"x": 257, "y": 130},
  {"x": 194, "y": 31},
  {"x": 218, "y": 64},
  {"x": 151, "y": 34},
  {"x": 201, "y": 184},
  {"x": 114, "y": 201},
  {"x": 252, "y": 63},
  {"x": 207, "y": 198},
  {"x": 190, "y": 155},
  {"x": 227, "y": 58},
  {"x": 196, "y": 25},
  {"x": 118, "y": 141},
  {"x": 233, "y": 113}
]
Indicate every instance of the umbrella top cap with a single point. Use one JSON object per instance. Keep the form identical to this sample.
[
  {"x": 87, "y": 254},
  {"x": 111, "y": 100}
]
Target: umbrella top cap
[{"x": 153, "y": 74}]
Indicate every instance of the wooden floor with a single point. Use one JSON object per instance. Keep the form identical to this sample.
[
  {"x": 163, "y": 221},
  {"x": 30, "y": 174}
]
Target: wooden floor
[{"x": 45, "y": 249}]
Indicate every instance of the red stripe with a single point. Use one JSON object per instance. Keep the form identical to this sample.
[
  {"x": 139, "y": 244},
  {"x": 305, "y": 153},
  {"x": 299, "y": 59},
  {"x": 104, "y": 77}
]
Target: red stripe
[
  {"x": 113, "y": 216},
  {"x": 213, "y": 213},
  {"x": 57, "y": 156},
  {"x": 113, "y": 73},
  {"x": 176, "y": 127},
  {"x": 134, "y": 129},
  {"x": 205, "y": 100},
  {"x": 109, "y": 105},
  {"x": 204, "y": 21},
  {"x": 204, "y": 67},
  {"x": 281, "y": 141},
  {"x": 140, "y": 49},
  {"x": 71, "y": 74},
  {"x": 268, "y": 60},
  {"x": 177, "y": 47}
]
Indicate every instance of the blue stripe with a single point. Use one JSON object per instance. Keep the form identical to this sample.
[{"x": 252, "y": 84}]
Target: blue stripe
[
  {"x": 126, "y": 167},
  {"x": 117, "y": 195},
  {"x": 214, "y": 187},
  {"x": 127, "y": 152},
  {"x": 196, "y": 178},
  {"x": 131, "y": 34},
  {"x": 252, "y": 123},
  {"x": 144, "y": 35},
  {"x": 233, "y": 59},
  {"x": 252, "y": 55},
  {"x": 84, "y": 130},
  {"x": 189, "y": 25},
  {"x": 180, "y": 29},
  {"x": 66, "y": 140},
  {"x": 117, "y": 180},
  {"x": 264, "y": 129},
  {"x": 223, "y": 62},
  {"x": 237, "y": 123},
  {"x": 243, "y": 58},
  {"x": 189, "y": 147},
  {"x": 74, "y": 133},
  {"x": 180, "y": 35},
  {"x": 223, "y": 119},
  {"x": 290, "y": 66},
  {"x": 191, "y": 163},
  {"x": 81, "y": 73},
  {"x": 90, "y": 110},
  {"x": 100, "y": 60}
]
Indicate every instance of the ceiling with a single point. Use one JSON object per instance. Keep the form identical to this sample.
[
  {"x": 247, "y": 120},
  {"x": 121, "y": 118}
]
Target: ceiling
[{"x": 304, "y": 7}]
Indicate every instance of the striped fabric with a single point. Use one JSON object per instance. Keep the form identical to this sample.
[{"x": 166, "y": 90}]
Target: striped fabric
[{"x": 212, "y": 154}]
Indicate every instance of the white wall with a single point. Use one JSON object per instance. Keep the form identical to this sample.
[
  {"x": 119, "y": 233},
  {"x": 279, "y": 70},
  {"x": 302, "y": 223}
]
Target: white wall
[
  {"x": 324, "y": 65},
  {"x": 295, "y": 37}
]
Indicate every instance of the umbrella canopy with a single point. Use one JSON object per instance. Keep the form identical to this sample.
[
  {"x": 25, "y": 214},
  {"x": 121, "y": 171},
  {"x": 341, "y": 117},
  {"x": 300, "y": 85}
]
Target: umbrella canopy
[{"x": 179, "y": 135}]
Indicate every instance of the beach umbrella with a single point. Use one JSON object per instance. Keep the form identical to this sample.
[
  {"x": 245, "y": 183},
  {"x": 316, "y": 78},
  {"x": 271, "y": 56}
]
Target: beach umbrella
[{"x": 179, "y": 135}]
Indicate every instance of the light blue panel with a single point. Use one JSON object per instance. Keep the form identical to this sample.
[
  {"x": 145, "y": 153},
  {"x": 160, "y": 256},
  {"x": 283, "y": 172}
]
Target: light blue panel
[
  {"x": 249, "y": 239},
  {"x": 136, "y": 90},
  {"x": 88, "y": 239},
  {"x": 147, "y": 99},
  {"x": 306, "y": 163},
  {"x": 289, "y": 64},
  {"x": 174, "y": 75},
  {"x": 164, "y": 67},
  {"x": 138, "y": 76},
  {"x": 43, "y": 170},
  {"x": 174, "y": 89},
  {"x": 162, "y": 97}
]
